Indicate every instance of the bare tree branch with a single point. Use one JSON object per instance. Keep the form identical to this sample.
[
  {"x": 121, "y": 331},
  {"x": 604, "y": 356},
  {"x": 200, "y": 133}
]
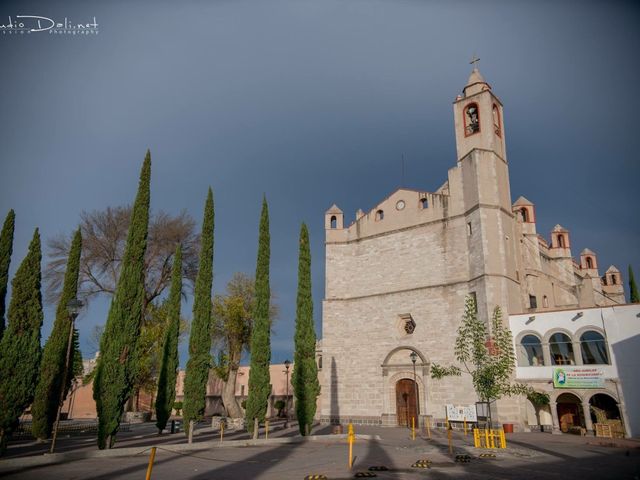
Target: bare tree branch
[{"x": 104, "y": 235}]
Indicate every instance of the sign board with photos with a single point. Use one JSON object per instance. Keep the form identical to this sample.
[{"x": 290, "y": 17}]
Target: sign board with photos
[{"x": 461, "y": 413}]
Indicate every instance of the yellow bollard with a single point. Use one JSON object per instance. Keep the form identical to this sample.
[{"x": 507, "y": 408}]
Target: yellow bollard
[
  {"x": 151, "y": 458},
  {"x": 503, "y": 441},
  {"x": 266, "y": 429},
  {"x": 351, "y": 436},
  {"x": 464, "y": 421},
  {"x": 221, "y": 431},
  {"x": 428, "y": 429},
  {"x": 450, "y": 444},
  {"x": 413, "y": 428}
]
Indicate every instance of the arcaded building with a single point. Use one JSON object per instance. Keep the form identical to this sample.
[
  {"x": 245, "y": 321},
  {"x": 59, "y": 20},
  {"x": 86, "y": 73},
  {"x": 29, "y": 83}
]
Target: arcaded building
[{"x": 397, "y": 276}]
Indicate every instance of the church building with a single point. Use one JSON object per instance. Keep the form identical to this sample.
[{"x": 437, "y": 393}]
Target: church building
[{"x": 397, "y": 277}]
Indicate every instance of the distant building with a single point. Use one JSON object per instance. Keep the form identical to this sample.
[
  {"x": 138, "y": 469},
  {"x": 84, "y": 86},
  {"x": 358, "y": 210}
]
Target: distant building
[
  {"x": 80, "y": 403},
  {"x": 397, "y": 276}
]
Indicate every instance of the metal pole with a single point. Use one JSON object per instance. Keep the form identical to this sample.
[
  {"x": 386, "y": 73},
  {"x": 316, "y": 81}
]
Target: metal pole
[
  {"x": 286, "y": 404},
  {"x": 152, "y": 457},
  {"x": 64, "y": 384},
  {"x": 415, "y": 389}
]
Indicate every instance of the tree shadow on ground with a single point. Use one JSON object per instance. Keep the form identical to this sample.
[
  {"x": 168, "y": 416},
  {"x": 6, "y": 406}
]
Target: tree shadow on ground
[{"x": 252, "y": 467}]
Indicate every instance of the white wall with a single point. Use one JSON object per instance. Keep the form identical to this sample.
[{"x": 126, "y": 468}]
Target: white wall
[{"x": 621, "y": 325}]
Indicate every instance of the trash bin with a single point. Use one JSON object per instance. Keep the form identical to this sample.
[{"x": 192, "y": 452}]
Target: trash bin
[{"x": 507, "y": 427}]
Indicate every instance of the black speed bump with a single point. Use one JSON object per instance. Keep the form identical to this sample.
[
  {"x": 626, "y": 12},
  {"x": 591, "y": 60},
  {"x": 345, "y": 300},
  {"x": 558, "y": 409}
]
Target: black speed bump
[
  {"x": 487, "y": 455},
  {"x": 422, "y": 464},
  {"x": 315, "y": 477},
  {"x": 463, "y": 458},
  {"x": 378, "y": 468},
  {"x": 365, "y": 475}
]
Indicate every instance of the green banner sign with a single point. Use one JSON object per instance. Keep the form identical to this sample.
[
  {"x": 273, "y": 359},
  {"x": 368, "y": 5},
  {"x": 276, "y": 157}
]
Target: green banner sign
[{"x": 578, "y": 377}]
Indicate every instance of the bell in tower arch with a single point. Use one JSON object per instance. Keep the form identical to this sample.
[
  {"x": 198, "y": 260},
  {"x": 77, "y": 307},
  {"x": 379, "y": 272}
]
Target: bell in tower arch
[{"x": 472, "y": 119}]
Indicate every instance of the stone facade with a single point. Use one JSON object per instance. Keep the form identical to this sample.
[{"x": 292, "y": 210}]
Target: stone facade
[{"x": 397, "y": 276}]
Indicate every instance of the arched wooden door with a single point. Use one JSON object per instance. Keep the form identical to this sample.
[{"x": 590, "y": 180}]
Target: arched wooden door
[{"x": 406, "y": 402}]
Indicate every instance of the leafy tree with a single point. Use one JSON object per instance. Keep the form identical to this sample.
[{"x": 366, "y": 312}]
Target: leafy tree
[
  {"x": 20, "y": 345},
  {"x": 259, "y": 380},
  {"x": 6, "y": 249},
  {"x": 104, "y": 235},
  {"x": 633, "y": 288},
  {"x": 197, "y": 371},
  {"x": 54, "y": 355},
  {"x": 488, "y": 358},
  {"x": 231, "y": 331},
  {"x": 170, "y": 360},
  {"x": 305, "y": 372},
  {"x": 115, "y": 370},
  {"x": 232, "y": 319}
]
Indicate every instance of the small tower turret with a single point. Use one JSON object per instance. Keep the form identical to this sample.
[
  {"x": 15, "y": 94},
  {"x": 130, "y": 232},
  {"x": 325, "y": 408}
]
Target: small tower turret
[
  {"x": 525, "y": 214},
  {"x": 612, "y": 286},
  {"x": 589, "y": 262},
  {"x": 560, "y": 240},
  {"x": 334, "y": 218}
]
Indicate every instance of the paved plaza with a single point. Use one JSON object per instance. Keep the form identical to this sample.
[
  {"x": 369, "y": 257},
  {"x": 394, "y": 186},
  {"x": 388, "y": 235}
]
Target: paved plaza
[{"x": 528, "y": 456}]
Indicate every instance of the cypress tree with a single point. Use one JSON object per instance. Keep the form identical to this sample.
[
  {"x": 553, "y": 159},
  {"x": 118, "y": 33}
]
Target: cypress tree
[
  {"x": 259, "y": 379},
  {"x": 197, "y": 371},
  {"x": 169, "y": 367},
  {"x": 305, "y": 371},
  {"x": 6, "y": 248},
  {"x": 20, "y": 345},
  {"x": 115, "y": 371},
  {"x": 633, "y": 288},
  {"x": 54, "y": 355}
]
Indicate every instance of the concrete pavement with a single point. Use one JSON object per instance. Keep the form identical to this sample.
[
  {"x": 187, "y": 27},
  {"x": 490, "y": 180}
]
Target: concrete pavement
[{"x": 529, "y": 455}]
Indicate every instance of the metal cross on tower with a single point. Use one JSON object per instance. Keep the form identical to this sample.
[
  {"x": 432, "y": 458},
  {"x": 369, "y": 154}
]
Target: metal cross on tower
[{"x": 474, "y": 60}]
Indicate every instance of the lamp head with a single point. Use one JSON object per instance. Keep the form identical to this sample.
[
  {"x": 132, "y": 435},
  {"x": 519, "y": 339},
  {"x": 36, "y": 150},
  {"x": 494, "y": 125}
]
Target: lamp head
[
  {"x": 73, "y": 307},
  {"x": 414, "y": 357},
  {"x": 287, "y": 364}
]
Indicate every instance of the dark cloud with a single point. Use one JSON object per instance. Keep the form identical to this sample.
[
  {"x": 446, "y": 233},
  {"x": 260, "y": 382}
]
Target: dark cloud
[{"x": 315, "y": 102}]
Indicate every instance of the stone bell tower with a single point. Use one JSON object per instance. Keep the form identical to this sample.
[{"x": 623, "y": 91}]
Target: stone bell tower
[{"x": 481, "y": 157}]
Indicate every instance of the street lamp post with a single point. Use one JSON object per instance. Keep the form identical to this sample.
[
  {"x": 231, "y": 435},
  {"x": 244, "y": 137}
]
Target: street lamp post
[
  {"x": 287, "y": 364},
  {"x": 73, "y": 307},
  {"x": 414, "y": 358}
]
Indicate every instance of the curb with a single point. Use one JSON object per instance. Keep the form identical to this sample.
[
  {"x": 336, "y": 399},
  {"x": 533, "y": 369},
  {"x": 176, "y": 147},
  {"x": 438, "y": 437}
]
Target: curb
[{"x": 15, "y": 464}]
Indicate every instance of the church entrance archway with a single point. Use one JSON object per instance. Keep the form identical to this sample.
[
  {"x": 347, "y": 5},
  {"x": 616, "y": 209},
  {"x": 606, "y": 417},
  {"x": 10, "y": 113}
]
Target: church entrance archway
[
  {"x": 407, "y": 402},
  {"x": 569, "y": 412}
]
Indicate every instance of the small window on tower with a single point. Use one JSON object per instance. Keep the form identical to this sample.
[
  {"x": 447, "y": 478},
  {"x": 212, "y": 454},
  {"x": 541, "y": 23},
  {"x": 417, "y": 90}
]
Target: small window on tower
[
  {"x": 424, "y": 203},
  {"x": 471, "y": 119},
  {"x": 590, "y": 263},
  {"x": 475, "y": 301},
  {"x": 496, "y": 121},
  {"x": 379, "y": 215},
  {"x": 561, "y": 241},
  {"x": 525, "y": 215},
  {"x": 334, "y": 221},
  {"x": 533, "y": 301},
  {"x": 614, "y": 280},
  {"x": 545, "y": 302}
]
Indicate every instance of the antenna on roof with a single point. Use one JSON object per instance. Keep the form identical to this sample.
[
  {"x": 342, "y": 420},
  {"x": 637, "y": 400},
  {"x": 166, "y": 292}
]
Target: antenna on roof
[{"x": 402, "y": 171}]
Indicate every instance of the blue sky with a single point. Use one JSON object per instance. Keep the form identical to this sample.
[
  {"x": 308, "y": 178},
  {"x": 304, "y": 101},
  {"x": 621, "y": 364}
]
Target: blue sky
[{"x": 311, "y": 103}]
